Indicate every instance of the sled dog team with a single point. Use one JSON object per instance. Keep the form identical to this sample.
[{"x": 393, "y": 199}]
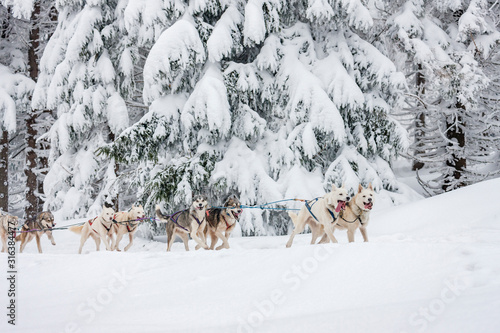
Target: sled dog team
[{"x": 334, "y": 210}]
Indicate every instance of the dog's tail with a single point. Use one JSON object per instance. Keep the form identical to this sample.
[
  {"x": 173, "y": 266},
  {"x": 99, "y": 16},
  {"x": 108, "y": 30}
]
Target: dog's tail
[
  {"x": 160, "y": 214},
  {"x": 77, "y": 229},
  {"x": 293, "y": 216}
]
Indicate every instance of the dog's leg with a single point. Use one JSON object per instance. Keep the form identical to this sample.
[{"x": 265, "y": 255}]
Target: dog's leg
[
  {"x": 37, "y": 237},
  {"x": 111, "y": 240},
  {"x": 170, "y": 238},
  {"x": 119, "y": 236},
  {"x": 202, "y": 236},
  {"x": 194, "y": 235},
  {"x": 324, "y": 239},
  {"x": 350, "y": 233},
  {"x": 25, "y": 238},
  {"x": 83, "y": 239},
  {"x": 51, "y": 237},
  {"x": 225, "y": 243},
  {"x": 329, "y": 232},
  {"x": 213, "y": 239},
  {"x": 131, "y": 239},
  {"x": 364, "y": 233},
  {"x": 185, "y": 239},
  {"x": 315, "y": 231},
  {"x": 300, "y": 223},
  {"x": 105, "y": 240},
  {"x": 4, "y": 242},
  {"x": 97, "y": 241}
]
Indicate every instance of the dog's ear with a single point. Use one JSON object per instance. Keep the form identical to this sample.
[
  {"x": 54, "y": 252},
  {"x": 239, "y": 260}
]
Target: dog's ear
[
  {"x": 343, "y": 185},
  {"x": 334, "y": 187},
  {"x": 370, "y": 186},
  {"x": 360, "y": 188}
]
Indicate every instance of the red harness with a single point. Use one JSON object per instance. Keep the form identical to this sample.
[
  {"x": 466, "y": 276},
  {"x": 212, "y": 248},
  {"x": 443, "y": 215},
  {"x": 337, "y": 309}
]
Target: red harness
[
  {"x": 227, "y": 224},
  {"x": 92, "y": 221}
]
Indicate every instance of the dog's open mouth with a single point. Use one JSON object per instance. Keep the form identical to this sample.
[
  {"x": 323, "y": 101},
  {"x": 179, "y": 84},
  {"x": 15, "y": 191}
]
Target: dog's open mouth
[
  {"x": 199, "y": 207},
  {"x": 368, "y": 205},
  {"x": 236, "y": 214},
  {"x": 340, "y": 206}
]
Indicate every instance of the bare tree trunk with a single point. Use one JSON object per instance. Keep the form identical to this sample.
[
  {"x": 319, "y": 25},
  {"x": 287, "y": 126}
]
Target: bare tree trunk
[
  {"x": 4, "y": 139},
  {"x": 115, "y": 200},
  {"x": 457, "y": 163},
  {"x": 32, "y": 205},
  {"x": 419, "y": 123},
  {"x": 4, "y": 171}
]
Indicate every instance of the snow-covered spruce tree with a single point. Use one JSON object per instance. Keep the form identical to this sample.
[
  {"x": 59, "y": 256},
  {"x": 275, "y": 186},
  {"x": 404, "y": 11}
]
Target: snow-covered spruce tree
[
  {"x": 15, "y": 92},
  {"x": 446, "y": 45},
  {"x": 42, "y": 22},
  {"x": 81, "y": 79},
  {"x": 266, "y": 99},
  {"x": 26, "y": 27}
]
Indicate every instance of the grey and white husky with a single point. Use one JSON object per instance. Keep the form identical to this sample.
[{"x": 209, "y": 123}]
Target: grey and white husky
[{"x": 191, "y": 221}]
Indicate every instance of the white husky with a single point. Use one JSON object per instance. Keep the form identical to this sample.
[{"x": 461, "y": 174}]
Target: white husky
[
  {"x": 99, "y": 228},
  {"x": 320, "y": 214},
  {"x": 127, "y": 223}
]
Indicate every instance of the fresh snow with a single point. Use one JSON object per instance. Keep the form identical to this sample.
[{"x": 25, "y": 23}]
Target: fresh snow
[{"x": 431, "y": 265}]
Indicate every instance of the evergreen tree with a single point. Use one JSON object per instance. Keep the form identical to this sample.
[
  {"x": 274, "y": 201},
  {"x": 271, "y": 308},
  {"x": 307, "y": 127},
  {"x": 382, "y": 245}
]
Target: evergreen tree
[
  {"x": 41, "y": 26},
  {"x": 15, "y": 91},
  {"x": 267, "y": 99},
  {"x": 80, "y": 80}
]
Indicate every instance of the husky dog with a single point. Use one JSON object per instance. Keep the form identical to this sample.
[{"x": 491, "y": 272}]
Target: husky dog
[
  {"x": 127, "y": 223},
  {"x": 320, "y": 214},
  {"x": 6, "y": 222},
  {"x": 99, "y": 228},
  {"x": 357, "y": 214},
  {"x": 42, "y": 224},
  {"x": 187, "y": 222},
  {"x": 222, "y": 221}
]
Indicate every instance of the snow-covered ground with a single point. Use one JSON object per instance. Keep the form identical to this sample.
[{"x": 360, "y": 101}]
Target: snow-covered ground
[{"x": 432, "y": 265}]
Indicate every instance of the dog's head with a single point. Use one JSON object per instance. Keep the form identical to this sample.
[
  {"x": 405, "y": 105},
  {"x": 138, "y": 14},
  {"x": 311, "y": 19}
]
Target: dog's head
[
  {"x": 200, "y": 202},
  {"x": 233, "y": 207},
  {"x": 107, "y": 213},
  {"x": 46, "y": 219},
  {"x": 337, "y": 198},
  {"x": 10, "y": 221},
  {"x": 136, "y": 212},
  {"x": 365, "y": 197}
]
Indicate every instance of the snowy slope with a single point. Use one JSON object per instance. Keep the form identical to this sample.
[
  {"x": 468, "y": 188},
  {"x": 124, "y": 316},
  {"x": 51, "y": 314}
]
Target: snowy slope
[{"x": 431, "y": 265}]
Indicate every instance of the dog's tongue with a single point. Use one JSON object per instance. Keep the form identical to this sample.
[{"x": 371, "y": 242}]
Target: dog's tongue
[
  {"x": 369, "y": 205},
  {"x": 340, "y": 206}
]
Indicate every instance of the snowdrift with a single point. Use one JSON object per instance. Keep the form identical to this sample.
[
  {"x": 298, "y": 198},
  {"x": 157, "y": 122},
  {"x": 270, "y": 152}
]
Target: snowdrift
[{"x": 431, "y": 265}]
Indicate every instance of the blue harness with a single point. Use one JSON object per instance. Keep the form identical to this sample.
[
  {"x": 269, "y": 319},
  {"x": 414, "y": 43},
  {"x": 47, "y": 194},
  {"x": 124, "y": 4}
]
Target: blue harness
[{"x": 309, "y": 206}]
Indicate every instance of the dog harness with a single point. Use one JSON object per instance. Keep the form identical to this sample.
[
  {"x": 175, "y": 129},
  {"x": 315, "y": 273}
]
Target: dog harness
[
  {"x": 358, "y": 217},
  {"x": 198, "y": 221},
  {"x": 92, "y": 221},
  {"x": 128, "y": 227},
  {"x": 308, "y": 206},
  {"x": 227, "y": 224},
  {"x": 175, "y": 216}
]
